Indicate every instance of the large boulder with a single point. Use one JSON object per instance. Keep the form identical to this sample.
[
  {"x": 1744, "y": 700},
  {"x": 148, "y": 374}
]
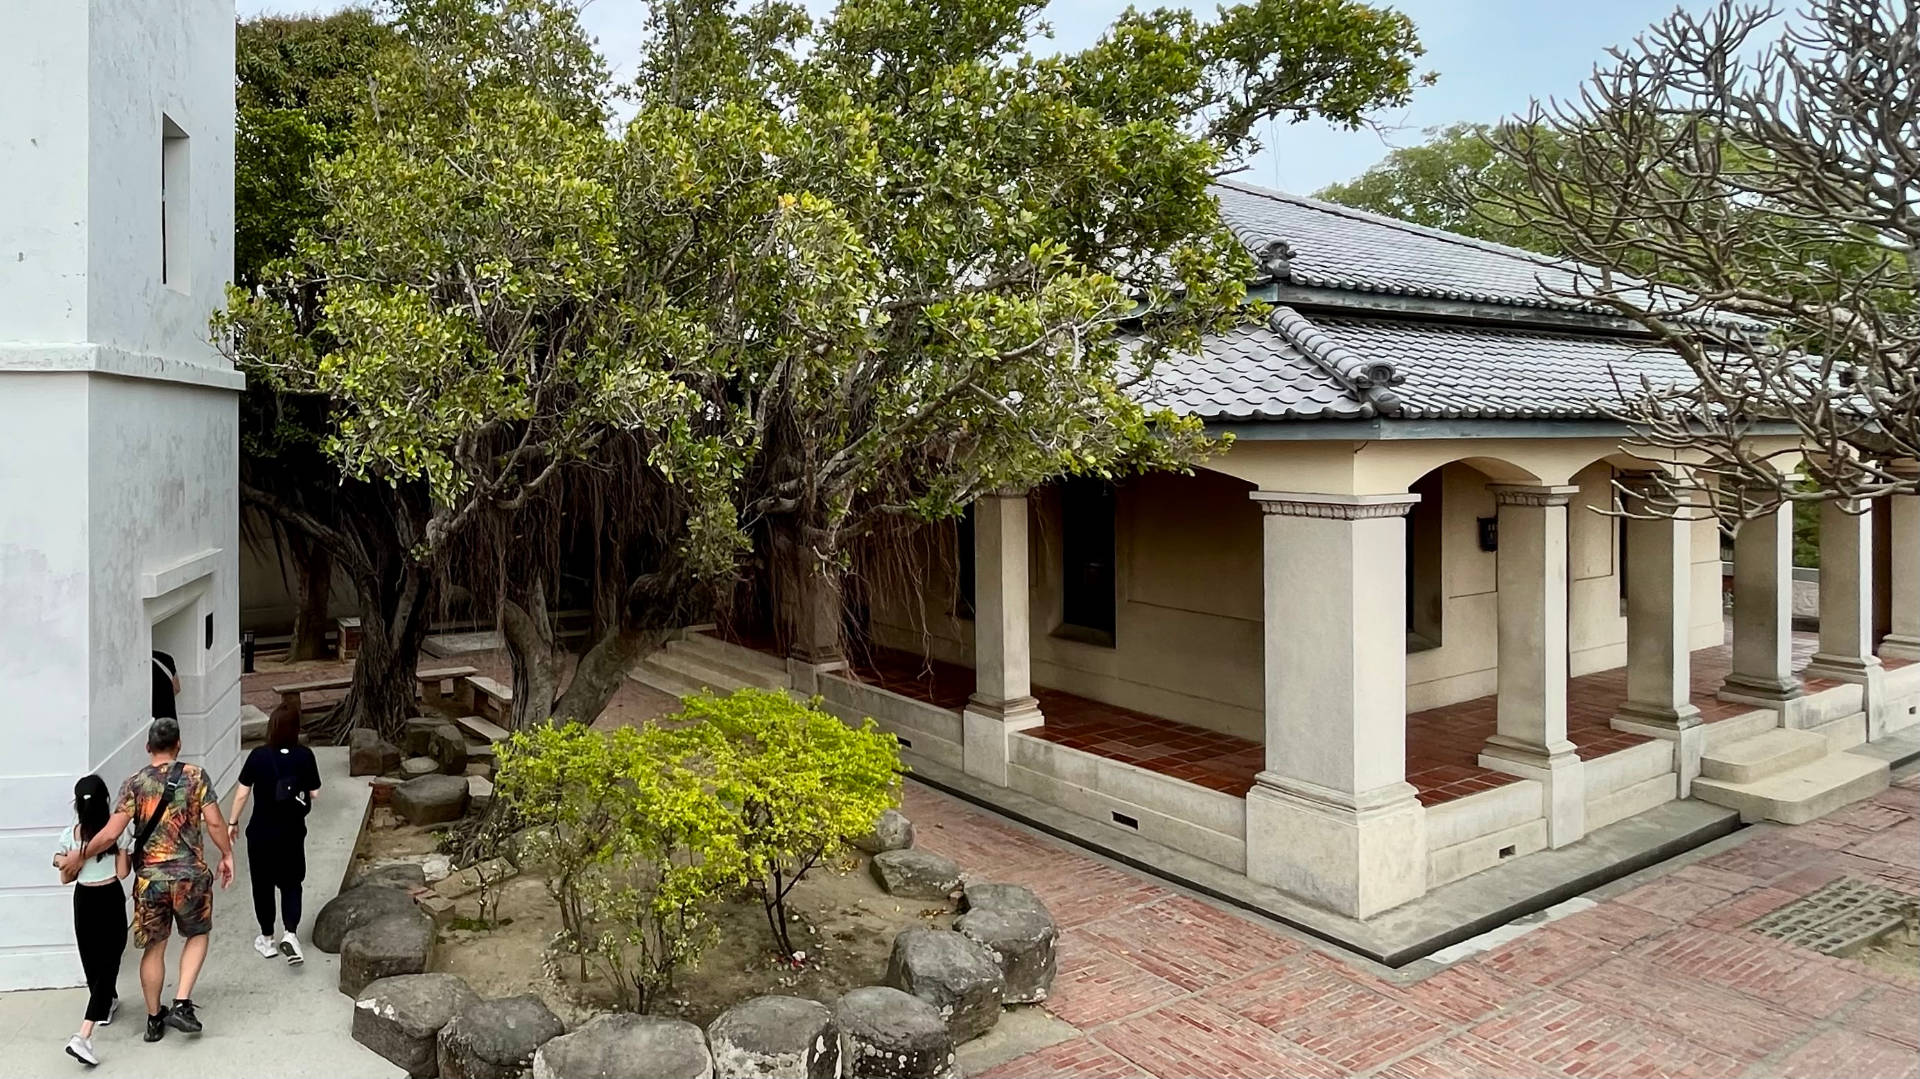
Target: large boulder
[
  {"x": 385, "y": 947},
  {"x": 887, "y": 1034},
  {"x": 400, "y": 1017},
  {"x": 1021, "y": 941},
  {"x": 980, "y": 894},
  {"x": 955, "y": 975},
  {"x": 625, "y": 1047},
  {"x": 431, "y": 799},
  {"x": 370, "y": 755},
  {"x": 893, "y": 831},
  {"x": 916, "y": 874},
  {"x": 352, "y": 909},
  {"x": 450, "y": 749},
  {"x": 775, "y": 1038},
  {"x": 496, "y": 1039},
  {"x": 417, "y": 735},
  {"x": 401, "y": 876}
]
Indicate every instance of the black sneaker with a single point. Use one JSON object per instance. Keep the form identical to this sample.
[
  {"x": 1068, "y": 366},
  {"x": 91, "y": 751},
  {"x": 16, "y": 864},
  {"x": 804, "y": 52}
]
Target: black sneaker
[
  {"x": 156, "y": 1026},
  {"x": 181, "y": 1018}
]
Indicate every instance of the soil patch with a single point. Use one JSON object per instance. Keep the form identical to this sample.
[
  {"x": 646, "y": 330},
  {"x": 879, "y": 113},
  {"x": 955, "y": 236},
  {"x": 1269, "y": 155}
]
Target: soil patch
[{"x": 844, "y": 923}]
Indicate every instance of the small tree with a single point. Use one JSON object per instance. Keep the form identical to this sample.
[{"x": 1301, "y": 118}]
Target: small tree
[
  {"x": 635, "y": 841},
  {"x": 801, "y": 781}
]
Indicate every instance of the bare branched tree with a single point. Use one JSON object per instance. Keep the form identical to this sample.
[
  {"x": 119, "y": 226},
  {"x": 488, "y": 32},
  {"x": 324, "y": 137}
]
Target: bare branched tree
[{"x": 1767, "y": 166}]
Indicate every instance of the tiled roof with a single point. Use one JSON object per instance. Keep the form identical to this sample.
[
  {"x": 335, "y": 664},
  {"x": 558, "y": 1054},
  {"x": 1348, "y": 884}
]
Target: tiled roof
[
  {"x": 1337, "y": 247},
  {"x": 1451, "y": 371},
  {"x": 1249, "y": 373},
  {"x": 1344, "y": 367},
  {"x": 1344, "y": 358}
]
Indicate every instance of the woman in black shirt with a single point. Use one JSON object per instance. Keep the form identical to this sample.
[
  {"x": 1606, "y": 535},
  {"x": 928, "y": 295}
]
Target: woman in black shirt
[{"x": 280, "y": 778}]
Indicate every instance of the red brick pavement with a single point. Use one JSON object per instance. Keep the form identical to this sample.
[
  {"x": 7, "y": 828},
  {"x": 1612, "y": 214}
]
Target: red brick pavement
[{"x": 1662, "y": 980}]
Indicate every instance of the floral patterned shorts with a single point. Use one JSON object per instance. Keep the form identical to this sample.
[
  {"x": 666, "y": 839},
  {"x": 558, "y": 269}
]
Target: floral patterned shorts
[{"x": 160, "y": 904}]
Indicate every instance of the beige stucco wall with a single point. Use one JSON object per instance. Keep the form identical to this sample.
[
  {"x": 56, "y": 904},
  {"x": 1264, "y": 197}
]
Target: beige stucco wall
[{"x": 1187, "y": 640}]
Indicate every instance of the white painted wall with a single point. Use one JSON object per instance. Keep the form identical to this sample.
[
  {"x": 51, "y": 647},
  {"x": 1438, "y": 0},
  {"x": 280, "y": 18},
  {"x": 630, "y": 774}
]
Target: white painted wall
[{"x": 118, "y": 475}]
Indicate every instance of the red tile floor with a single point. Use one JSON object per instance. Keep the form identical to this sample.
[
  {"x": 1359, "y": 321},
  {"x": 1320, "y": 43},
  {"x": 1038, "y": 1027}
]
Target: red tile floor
[
  {"x": 1443, "y": 744},
  {"x": 1661, "y": 978}
]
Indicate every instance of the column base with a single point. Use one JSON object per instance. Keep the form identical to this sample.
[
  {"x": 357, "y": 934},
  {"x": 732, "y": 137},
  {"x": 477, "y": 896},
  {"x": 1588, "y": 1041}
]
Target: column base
[
  {"x": 1841, "y": 668},
  {"x": 1561, "y": 774},
  {"x": 1895, "y": 646},
  {"x": 1662, "y": 717},
  {"x": 803, "y": 672},
  {"x": 984, "y": 727},
  {"x": 1689, "y": 743},
  {"x": 1356, "y": 855},
  {"x": 1763, "y": 692}
]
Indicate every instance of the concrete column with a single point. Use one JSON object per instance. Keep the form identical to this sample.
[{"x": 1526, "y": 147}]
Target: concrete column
[
  {"x": 1903, "y": 583},
  {"x": 1846, "y": 594},
  {"x": 1763, "y": 612},
  {"x": 1659, "y": 569},
  {"x": 816, "y": 647},
  {"x": 1002, "y": 700},
  {"x": 1332, "y": 818},
  {"x": 1531, "y": 575}
]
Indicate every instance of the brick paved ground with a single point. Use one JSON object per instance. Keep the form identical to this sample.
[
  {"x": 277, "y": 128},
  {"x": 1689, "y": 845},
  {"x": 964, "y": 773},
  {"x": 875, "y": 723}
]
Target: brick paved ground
[{"x": 1660, "y": 980}]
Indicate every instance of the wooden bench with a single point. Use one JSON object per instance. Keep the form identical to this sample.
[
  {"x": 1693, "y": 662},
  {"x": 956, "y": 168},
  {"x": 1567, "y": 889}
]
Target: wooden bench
[
  {"x": 481, "y": 729},
  {"x": 432, "y": 685},
  {"x": 290, "y": 694},
  {"x": 491, "y": 699}
]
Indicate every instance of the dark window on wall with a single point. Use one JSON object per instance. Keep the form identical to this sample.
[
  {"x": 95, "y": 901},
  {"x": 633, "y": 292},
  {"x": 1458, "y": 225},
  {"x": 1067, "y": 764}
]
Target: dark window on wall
[
  {"x": 963, "y": 552},
  {"x": 1087, "y": 560},
  {"x": 1426, "y": 600},
  {"x": 175, "y": 197}
]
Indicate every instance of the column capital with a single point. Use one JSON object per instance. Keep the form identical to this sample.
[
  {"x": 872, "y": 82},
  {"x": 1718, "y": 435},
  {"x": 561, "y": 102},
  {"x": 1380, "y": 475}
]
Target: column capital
[
  {"x": 1529, "y": 494},
  {"x": 1333, "y": 507}
]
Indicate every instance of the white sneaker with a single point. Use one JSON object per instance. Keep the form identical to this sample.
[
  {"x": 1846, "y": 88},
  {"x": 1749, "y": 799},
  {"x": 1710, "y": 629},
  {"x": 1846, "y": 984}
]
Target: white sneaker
[
  {"x": 81, "y": 1049},
  {"x": 290, "y": 947},
  {"x": 264, "y": 945}
]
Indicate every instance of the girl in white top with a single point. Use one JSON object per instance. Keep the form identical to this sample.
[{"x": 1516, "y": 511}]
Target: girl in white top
[{"x": 99, "y": 911}]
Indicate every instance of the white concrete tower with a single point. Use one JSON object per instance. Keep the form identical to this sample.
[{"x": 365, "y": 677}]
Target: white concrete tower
[{"x": 118, "y": 420}]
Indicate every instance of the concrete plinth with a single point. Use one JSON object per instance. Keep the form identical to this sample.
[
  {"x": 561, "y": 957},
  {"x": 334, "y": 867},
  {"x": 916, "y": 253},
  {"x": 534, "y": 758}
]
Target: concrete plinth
[
  {"x": 1562, "y": 777},
  {"x": 985, "y": 729},
  {"x": 1355, "y": 857}
]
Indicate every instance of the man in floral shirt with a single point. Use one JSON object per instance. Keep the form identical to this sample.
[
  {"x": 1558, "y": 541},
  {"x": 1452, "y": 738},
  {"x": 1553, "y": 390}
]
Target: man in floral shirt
[{"x": 171, "y": 883}]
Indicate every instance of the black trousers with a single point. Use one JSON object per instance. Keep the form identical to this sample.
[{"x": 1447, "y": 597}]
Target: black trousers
[
  {"x": 276, "y": 864},
  {"x": 100, "y": 928}
]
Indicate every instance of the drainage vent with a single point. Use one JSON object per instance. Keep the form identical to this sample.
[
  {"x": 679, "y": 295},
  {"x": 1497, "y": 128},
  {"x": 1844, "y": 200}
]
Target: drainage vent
[
  {"x": 1839, "y": 919},
  {"x": 1125, "y": 821}
]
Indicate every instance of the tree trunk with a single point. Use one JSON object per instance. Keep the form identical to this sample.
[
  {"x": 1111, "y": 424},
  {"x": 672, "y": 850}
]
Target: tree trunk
[
  {"x": 527, "y": 629},
  {"x": 600, "y": 673},
  {"x": 393, "y": 623},
  {"x": 313, "y": 589},
  {"x": 808, "y": 595}
]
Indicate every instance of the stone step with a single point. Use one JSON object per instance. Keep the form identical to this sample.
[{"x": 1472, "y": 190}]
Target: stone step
[
  {"x": 697, "y": 662},
  {"x": 732, "y": 655},
  {"x": 654, "y": 675},
  {"x": 1763, "y": 755},
  {"x": 1800, "y": 794}
]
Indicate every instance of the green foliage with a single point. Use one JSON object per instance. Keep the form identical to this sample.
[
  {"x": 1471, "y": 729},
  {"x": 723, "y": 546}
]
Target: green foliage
[
  {"x": 826, "y": 273},
  {"x": 301, "y": 83},
  {"x": 801, "y": 781},
  {"x": 635, "y": 841}
]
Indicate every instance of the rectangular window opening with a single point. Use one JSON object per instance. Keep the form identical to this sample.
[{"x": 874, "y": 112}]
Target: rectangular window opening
[
  {"x": 1125, "y": 821},
  {"x": 1425, "y": 568},
  {"x": 1087, "y": 558},
  {"x": 176, "y": 191}
]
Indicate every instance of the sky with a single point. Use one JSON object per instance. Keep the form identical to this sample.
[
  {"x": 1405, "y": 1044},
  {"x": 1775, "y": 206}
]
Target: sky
[{"x": 1492, "y": 58}]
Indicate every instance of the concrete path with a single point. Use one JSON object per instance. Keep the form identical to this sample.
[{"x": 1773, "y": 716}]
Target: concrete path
[
  {"x": 263, "y": 1018},
  {"x": 1655, "y": 974}
]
